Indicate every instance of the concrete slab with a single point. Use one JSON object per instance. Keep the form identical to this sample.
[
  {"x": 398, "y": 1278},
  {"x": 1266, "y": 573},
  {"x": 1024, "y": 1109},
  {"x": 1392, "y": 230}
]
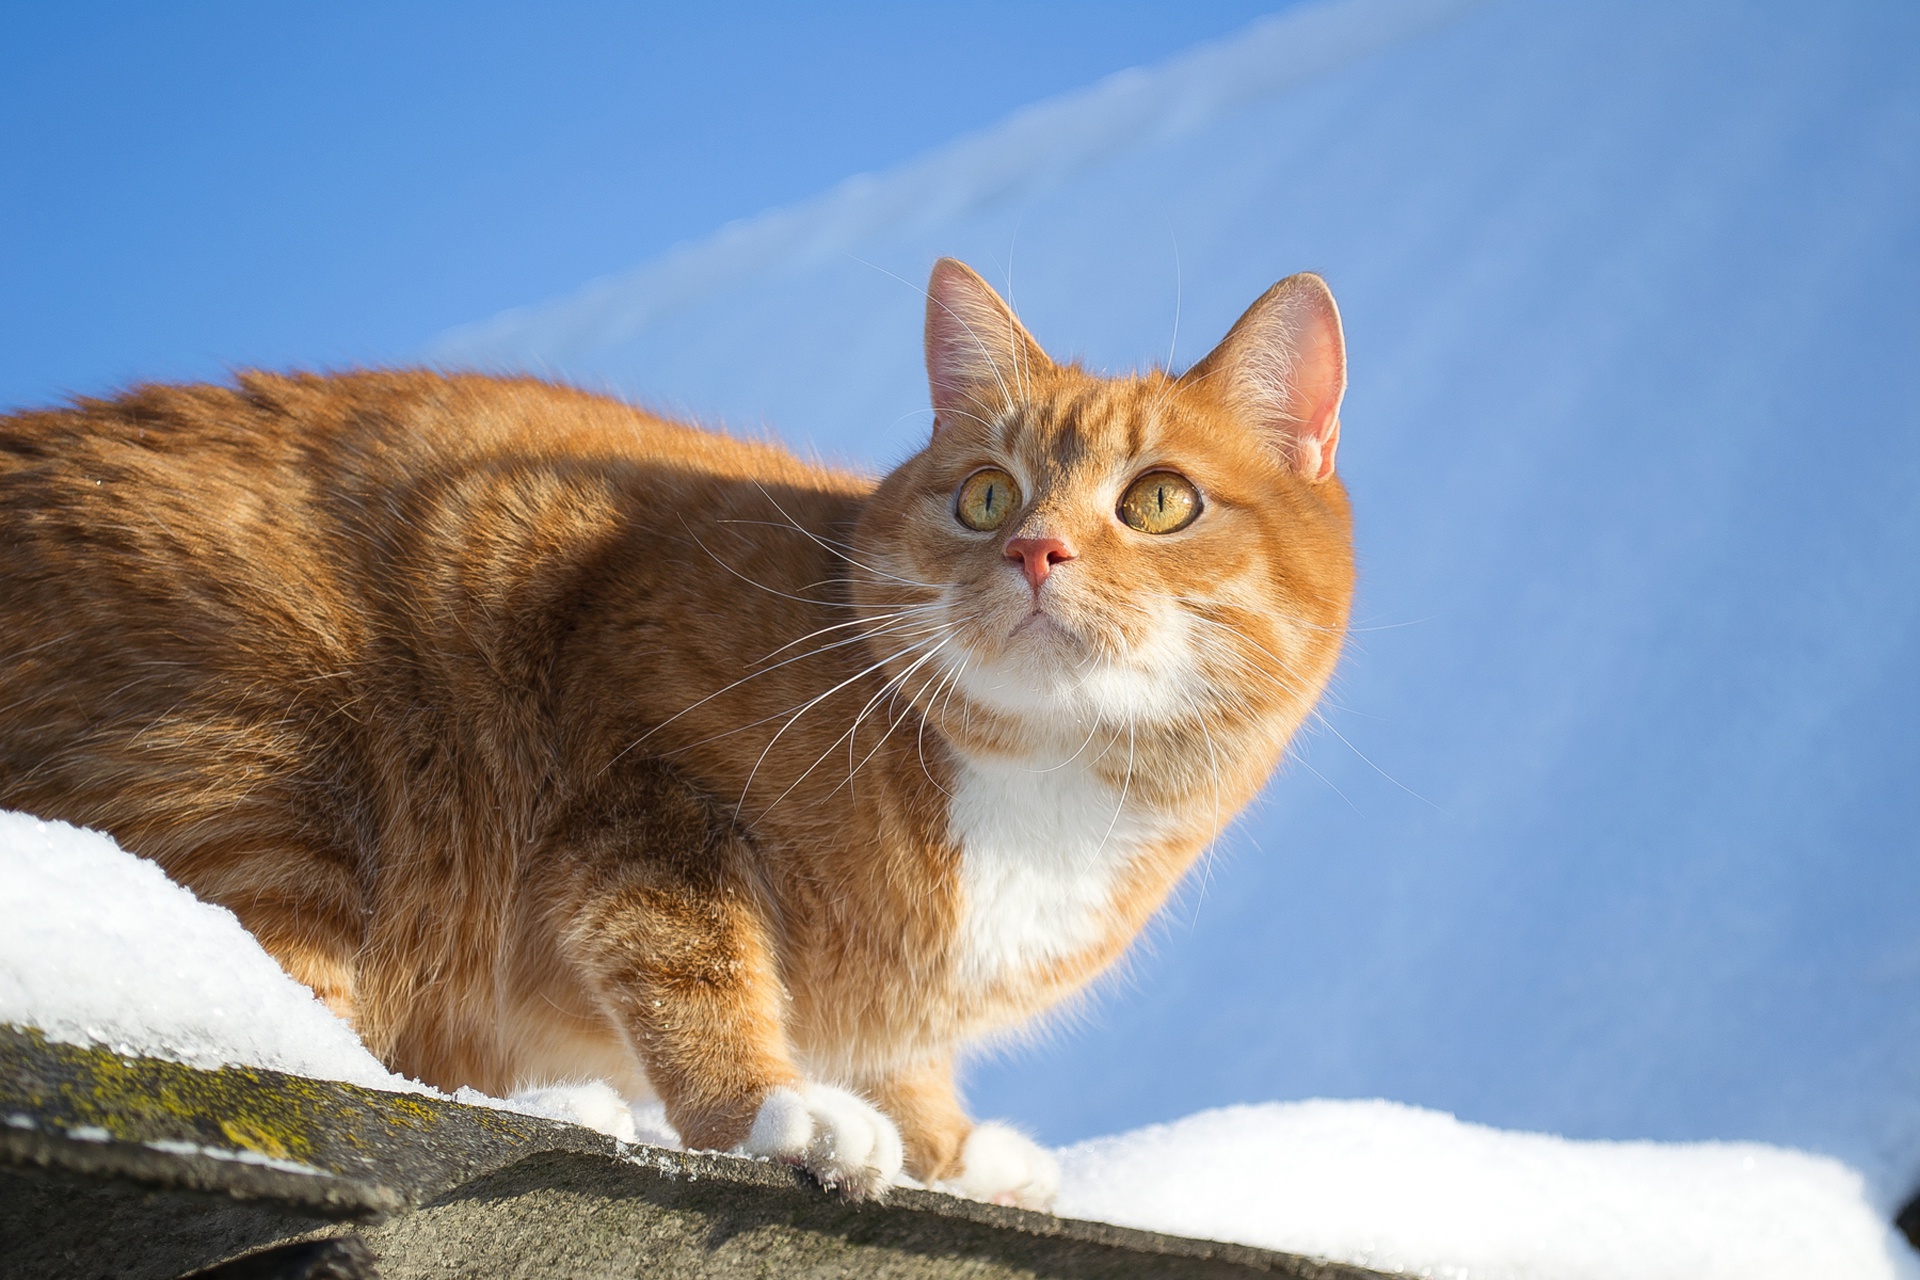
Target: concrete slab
[{"x": 144, "y": 1169}]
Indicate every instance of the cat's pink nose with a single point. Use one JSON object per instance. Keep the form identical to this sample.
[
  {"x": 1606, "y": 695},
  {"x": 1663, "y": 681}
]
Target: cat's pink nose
[{"x": 1037, "y": 556}]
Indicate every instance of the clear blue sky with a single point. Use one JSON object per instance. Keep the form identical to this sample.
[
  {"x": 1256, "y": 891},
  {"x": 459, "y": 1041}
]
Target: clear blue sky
[{"x": 189, "y": 188}]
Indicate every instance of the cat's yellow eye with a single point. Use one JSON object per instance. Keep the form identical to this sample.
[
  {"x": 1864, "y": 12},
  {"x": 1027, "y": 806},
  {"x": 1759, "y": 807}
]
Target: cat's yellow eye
[
  {"x": 1160, "y": 502},
  {"x": 986, "y": 499}
]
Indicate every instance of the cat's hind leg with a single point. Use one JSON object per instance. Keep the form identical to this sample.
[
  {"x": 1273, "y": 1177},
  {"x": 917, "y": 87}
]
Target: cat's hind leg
[
  {"x": 661, "y": 922},
  {"x": 933, "y": 1125},
  {"x": 303, "y": 907},
  {"x": 328, "y": 970},
  {"x": 945, "y": 1149},
  {"x": 1001, "y": 1164}
]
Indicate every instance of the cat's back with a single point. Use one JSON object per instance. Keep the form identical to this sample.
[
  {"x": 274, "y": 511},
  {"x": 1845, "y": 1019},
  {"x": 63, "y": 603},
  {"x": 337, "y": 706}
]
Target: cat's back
[
  {"x": 243, "y": 595},
  {"x": 323, "y": 443},
  {"x": 188, "y": 522},
  {"x": 266, "y": 497}
]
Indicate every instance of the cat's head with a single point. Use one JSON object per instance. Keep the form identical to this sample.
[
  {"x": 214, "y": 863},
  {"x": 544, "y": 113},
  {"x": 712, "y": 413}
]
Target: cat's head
[{"x": 1072, "y": 550}]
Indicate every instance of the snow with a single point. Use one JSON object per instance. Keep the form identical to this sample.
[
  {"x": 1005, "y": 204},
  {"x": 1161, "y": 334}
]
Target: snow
[
  {"x": 1398, "y": 1188},
  {"x": 100, "y": 947},
  {"x": 1609, "y": 830},
  {"x": 593, "y": 1104}
]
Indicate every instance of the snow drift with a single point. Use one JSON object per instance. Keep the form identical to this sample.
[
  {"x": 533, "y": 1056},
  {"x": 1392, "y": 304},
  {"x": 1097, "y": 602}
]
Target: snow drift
[{"x": 100, "y": 947}]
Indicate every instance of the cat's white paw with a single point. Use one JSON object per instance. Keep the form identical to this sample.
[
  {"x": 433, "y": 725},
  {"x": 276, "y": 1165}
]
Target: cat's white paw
[
  {"x": 1005, "y": 1166},
  {"x": 841, "y": 1139}
]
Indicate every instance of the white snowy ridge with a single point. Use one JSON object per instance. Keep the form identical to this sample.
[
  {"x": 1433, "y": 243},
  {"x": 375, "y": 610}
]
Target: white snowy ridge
[
  {"x": 100, "y": 947},
  {"x": 1047, "y": 141}
]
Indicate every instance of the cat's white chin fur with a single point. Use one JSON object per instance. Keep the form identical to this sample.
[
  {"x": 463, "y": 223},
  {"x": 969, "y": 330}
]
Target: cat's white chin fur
[
  {"x": 836, "y": 1136},
  {"x": 1005, "y": 1166}
]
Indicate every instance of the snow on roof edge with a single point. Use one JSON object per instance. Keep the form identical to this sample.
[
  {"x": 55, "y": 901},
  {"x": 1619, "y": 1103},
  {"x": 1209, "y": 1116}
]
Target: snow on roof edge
[{"x": 1052, "y": 137}]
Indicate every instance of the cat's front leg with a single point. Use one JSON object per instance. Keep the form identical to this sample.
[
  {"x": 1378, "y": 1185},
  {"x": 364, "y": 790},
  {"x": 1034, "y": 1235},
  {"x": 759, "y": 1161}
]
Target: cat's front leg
[
  {"x": 945, "y": 1149},
  {"x": 659, "y": 921},
  {"x": 687, "y": 973},
  {"x": 839, "y": 1137}
]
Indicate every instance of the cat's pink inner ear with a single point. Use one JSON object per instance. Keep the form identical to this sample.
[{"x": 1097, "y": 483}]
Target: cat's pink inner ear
[
  {"x": 1284, "y": 363},
  {"x": 978, "y": 354}
]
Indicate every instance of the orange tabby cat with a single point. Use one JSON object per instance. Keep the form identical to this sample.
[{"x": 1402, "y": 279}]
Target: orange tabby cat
[{"x": 548, "y": 740}]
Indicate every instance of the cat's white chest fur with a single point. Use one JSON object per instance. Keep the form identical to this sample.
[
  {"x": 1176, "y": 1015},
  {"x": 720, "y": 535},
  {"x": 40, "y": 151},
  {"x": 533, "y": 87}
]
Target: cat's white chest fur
[{"x": 1041, "y": 854}]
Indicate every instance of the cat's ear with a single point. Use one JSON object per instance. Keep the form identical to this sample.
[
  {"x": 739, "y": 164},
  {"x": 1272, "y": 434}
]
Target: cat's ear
[
  {"x": 977, "y": 352},
  {"x": 1284, "y": 363}
]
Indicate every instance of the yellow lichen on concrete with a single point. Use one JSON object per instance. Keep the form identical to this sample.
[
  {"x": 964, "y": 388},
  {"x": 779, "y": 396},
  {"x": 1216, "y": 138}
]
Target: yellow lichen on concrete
[
  {"x": 329, "y": 1125},
  {"x": 145, "y": 1099}
]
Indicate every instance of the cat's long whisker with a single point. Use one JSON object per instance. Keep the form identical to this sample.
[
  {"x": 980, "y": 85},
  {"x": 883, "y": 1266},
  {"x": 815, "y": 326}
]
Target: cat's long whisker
[
  {"x": 1017, "y": 357},
  {"x": 751, "y": 724},
  {"x": 941, "y": 694},
  {"x": 1126, "y": 782},
  {"x": 905, "y": 622},
  {"x": 991, "y": 424},
  {"x": 1294, "y": 753},
  {"x": 1241, "y": 635},
  {"x": 887, "y": 692},
  {"x": 1391, "y": 626},
  {"x": 841, "y": 549},
  {"x": 1173, "y": 344},
  {"x": 1317, "y": 715},
  {"x": 950, "y": 681},
  {"x": 898, "y": 630},
  {"x": 1170, "y": 383},
  {"x": 851, "y": 622},
  {"x": 818, "y": 541},
  {"x": 752, "y": 675},
  {"x": 893, "y": 722},
  {"x": 1013, "y": 306},
  {"x": 1079, "y": 751},
  {"x": 953, "y": 687},
  {"x": 847, "y": 734},
  {"x": 1239, "y": 664},
  {"x": 749, "y": 581},
  {"x": 1205, "y": 858},
  {"x": 900, "y": 686},
  {"x": 1197, "y": 614},
  {"x": 816, "y": 701},
  {"x": 1254, "y": 669},
  {"x": 894, "y": 687},
  {"x": 834, "y": 546},
  {"x": 872, "y": 633},
  {"x": 1320, "y": 718},
  {"x": 852, "y": 735},
  {"x": 920, "y": 750}
]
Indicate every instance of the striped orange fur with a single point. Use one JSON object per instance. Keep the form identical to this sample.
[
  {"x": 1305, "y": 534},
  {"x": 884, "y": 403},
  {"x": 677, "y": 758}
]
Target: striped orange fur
[{"x": 549, "y": 740}]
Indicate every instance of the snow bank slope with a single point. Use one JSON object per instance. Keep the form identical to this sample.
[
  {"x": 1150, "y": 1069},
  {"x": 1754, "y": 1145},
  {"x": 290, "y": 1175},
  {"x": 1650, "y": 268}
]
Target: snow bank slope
[
  {"x": 1622, "y": 844},
  {"x": 1400, "y": 1189},
  {"x": 100, "y": 947}
]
